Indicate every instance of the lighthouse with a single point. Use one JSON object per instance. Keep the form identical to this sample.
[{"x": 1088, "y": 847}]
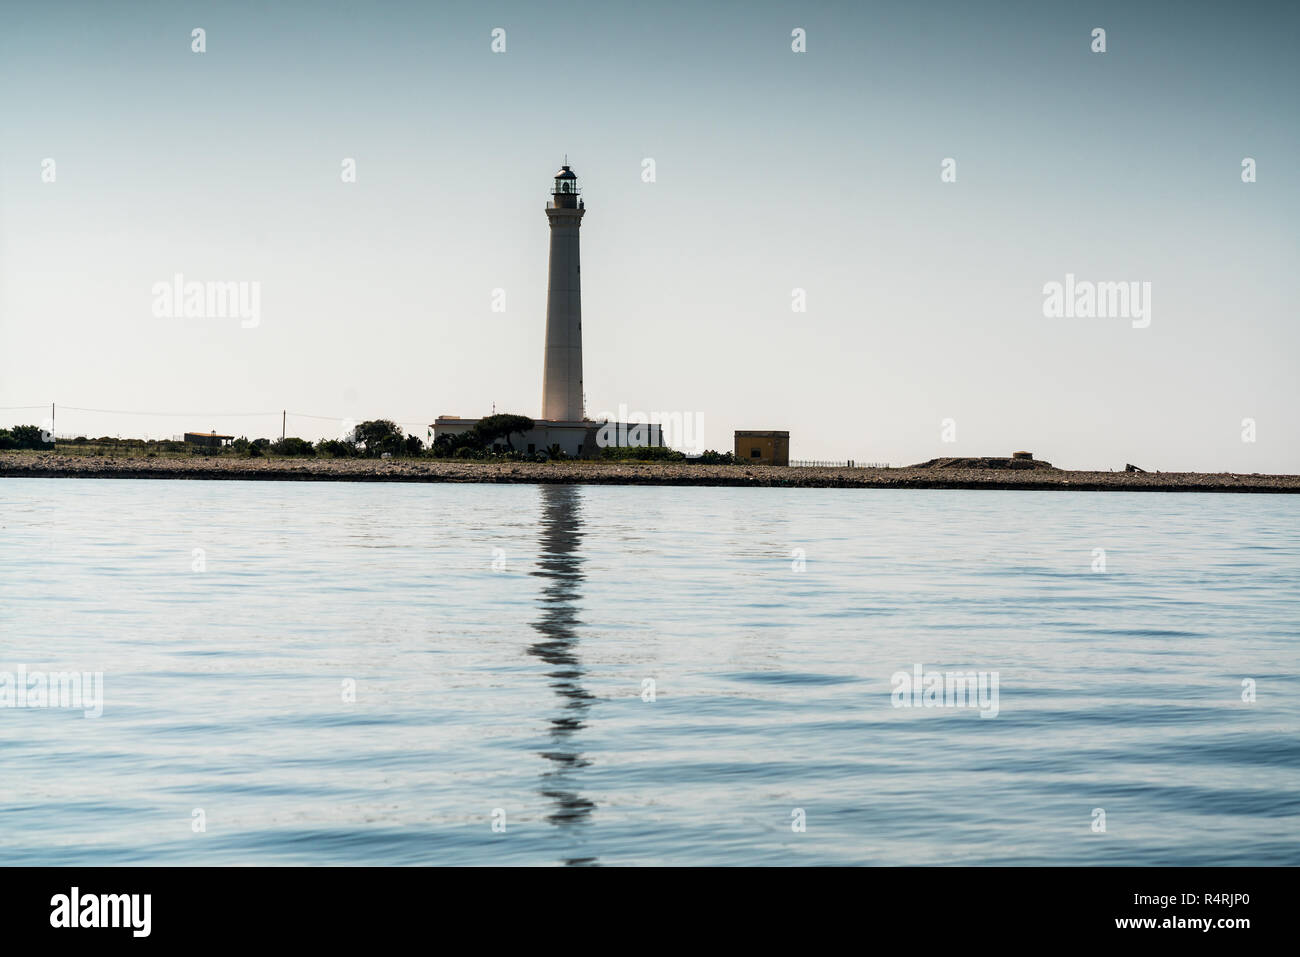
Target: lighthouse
[
  {"x": 562, "y": 361},
  {"x": 564, "y": 428}
]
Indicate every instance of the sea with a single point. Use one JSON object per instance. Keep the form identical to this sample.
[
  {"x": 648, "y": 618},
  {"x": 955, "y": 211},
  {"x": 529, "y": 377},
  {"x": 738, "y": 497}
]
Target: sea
[{"x": 271, "y": 673}]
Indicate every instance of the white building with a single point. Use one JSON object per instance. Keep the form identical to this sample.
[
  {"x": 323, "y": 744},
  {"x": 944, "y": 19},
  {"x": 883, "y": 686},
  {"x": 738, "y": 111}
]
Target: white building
[{"x": 564, "y": 421}]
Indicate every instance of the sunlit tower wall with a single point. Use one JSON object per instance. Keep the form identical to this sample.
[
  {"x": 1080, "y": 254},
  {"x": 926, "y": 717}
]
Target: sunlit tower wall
[{"x": 562, "y": 368}]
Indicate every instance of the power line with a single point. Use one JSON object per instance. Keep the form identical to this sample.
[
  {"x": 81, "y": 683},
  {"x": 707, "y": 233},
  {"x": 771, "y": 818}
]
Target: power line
[
  {"x": 201, "y": 415},
  {"x": 196, "y": 415},
  {"x": 341, "y": 418},
  {"x": 327, "y": 418}
]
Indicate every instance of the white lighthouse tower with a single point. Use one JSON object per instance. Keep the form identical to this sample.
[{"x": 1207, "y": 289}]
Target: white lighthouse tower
[
  {"x": 563, "y": 427},
  {"x": 562, "y": 366}
]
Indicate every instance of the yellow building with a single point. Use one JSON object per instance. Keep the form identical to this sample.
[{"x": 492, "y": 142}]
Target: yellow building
[{"x": 763, "y": 448}]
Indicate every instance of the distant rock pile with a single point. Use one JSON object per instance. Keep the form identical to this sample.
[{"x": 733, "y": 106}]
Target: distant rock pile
[{"x": 986, "y": 462}]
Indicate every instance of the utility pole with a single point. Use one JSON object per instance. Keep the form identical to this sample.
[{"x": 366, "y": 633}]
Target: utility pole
[
  {"x": 283, "y": 415},
  {"x": 53, "y": 440}
]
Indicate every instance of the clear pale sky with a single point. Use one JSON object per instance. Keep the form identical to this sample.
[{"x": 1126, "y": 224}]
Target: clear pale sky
[{"x": 775, "y": 170}]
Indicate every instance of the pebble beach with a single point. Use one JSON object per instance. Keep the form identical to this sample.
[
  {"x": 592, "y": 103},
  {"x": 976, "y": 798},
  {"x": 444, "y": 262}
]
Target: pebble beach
[{"x": 61, "y": 465}]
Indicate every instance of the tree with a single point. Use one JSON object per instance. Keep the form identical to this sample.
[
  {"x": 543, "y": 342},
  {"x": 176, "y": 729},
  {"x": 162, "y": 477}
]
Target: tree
[
  {"x": 377, "y": 436},
  {"x": 502, "y": 427},
  {"x": 23, "y": 437},
  {"x": 292, "y": 445},
  {"x": 447, "y": 446},
  {"x": 337, "y": 448},
  {"x": 710, "y": 457}
]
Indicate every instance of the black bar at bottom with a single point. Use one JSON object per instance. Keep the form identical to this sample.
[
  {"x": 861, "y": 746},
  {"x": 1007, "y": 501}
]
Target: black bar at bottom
[{"x": 332, "y": 906}]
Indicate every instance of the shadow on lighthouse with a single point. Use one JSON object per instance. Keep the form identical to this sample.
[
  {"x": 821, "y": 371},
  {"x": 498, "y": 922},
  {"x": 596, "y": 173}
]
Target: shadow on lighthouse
[{"x": 560, "y": 567}]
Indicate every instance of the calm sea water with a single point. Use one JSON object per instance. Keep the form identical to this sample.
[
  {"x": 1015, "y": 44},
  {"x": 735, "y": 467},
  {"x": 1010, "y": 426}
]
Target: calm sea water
[{"x": 500, "y": 640}]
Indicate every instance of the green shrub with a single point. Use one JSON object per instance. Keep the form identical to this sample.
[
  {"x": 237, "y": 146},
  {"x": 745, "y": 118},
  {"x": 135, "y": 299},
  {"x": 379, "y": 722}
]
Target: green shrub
[
  {"x": 645, "y": 453},
  {"x": 711, "y": 457},
  {"x": 24, "y": 437},
  {"x": 337, "y": 448},
  {"x": 449, "y": 446},
  {"x": 292, "y": 445}
]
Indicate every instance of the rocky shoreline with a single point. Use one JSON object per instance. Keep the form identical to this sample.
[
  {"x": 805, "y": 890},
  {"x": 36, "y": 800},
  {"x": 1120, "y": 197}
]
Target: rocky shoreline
[{"x": 56, "y": 465}]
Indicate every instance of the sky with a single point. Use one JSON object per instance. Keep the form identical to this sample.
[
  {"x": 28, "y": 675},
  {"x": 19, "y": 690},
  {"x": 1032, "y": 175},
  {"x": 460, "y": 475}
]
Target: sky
[{"x": 923, "y": 332}]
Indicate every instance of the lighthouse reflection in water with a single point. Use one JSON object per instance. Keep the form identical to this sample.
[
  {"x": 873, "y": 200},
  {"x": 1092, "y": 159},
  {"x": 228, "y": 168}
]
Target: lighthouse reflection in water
[{"x": 559, "y": 565}]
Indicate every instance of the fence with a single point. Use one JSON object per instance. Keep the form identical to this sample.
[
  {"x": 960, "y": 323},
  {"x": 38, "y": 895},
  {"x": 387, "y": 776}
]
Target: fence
[
  {"x": 92, "y": 436},
  {"x": 848, "y": 464}
]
